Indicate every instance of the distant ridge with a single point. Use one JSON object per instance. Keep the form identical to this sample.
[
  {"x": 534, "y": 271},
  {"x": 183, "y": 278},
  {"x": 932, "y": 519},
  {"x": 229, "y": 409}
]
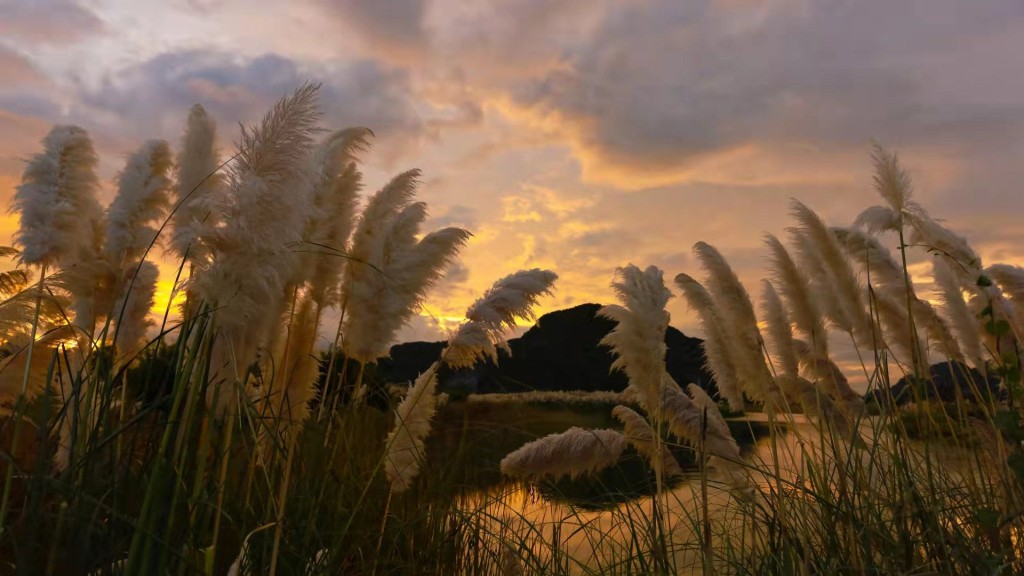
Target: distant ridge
[{"x": 560, "y": 352}]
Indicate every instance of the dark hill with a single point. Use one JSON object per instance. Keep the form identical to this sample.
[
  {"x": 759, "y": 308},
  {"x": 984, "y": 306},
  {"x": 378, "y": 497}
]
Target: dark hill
[
  {"x": 942, "y": 382},
  {"x": 561, "y": 352}
]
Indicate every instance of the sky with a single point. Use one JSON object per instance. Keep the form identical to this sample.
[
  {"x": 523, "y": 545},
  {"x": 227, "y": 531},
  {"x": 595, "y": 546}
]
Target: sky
[{"x": 571, "y": 135}]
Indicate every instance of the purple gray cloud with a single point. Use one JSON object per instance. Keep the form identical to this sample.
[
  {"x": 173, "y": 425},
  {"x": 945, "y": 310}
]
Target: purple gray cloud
[
  {"x": 663, "y": 81},
  {"x": 157, "y": 91},
  {"x": 47, "y": 21}
]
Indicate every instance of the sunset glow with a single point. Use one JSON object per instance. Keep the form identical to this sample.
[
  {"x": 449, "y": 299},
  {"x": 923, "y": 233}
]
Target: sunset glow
[{"x": 576, "y": 136}]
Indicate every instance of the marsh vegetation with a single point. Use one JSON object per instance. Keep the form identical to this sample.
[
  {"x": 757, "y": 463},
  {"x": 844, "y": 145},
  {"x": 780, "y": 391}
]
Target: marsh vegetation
[{"x": 223, "y": 436}]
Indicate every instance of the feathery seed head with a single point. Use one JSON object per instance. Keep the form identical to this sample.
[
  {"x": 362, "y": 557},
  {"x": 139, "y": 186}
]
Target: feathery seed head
[
  {"x": 717, "y": 346},
  {"x": 571, "y": 453},
  {"x": 135, "y": 302},
  {"x": 642, "y": 437},
  {"x": 199, "y": 194},
  {"x": 891, "y": 181},
  {"x": 143, "y": 195},
  {"x": 638, "y": 339},
  {"x": 56, "y": 200},
  {"x": 253, "y": 259},
  {"x": 511, "y": 298},
  {"x": 795, "y": 288},
  {"x": 779, "y": 330},
  {"x": 739, "y": 322}
]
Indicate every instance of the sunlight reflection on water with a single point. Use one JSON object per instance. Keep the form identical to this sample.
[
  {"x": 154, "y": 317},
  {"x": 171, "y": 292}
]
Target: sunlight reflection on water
[{"x": 557, "y": 537}]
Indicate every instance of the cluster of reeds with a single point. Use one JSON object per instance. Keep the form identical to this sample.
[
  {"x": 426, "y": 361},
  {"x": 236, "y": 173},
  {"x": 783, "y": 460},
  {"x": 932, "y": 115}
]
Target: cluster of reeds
[
  {"x": 223, "y": 437},
  {"x": 271, "y": 244},
  {"x": 870, "y": 487}
]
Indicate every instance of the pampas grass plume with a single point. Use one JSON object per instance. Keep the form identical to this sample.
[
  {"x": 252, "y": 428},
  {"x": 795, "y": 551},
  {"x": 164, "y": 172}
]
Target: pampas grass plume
[
  {"x": 638, "y": 338},
  {"x": 780, "y": 332},
  {"x": 143, "y": 195},
  {"x": 716, "y": 345},
  {"x": 200, "y": 188},
  {"x": 642, "y": 437},
  {"x": 389, "y": 271},
  {"x": 336, "y": 184},
  {"x": 795, "y": 288},
  {"x": 132, "y": 314},
  {"x": 964, "y": 324},
  {"x": 56, "y": 201},
  {"x": 820, "y": 244},
  {"x": 685, "y": 416},
  {"x": 738, "y": 321},
  {"x": 253, "y": 258},
  {"x": 405, "y": 442},
  {"x": 571, "y": 453},
  {"x": 509, "y": 299}
]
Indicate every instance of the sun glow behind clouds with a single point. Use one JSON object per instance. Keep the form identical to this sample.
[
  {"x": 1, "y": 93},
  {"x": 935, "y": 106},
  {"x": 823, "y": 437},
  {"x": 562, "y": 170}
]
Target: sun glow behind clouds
[{"x": 576, "y": 136}]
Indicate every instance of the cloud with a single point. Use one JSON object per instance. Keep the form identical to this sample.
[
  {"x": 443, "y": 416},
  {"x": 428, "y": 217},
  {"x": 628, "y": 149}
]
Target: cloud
[
  {"x": 396, "y": 25},
  {"x": 15, "y": 69},
  {"x": 665, "y": 86},
  {"x": 48, "y": 21},
  {"x": 152, "y": 98},
  {"x": 455, "y": 215}
]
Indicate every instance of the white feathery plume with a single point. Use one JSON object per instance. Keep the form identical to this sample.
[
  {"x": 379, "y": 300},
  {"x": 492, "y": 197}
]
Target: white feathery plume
[
  {"x": 887, "y": 273},
  {"x": 92, "y": 286},
  {"x": 820, "y": 281},
  {"x": 371, "y": 233},
  {"x": 412, "y": 424},
  {"x": 717, "y": 354},
  {"x": 940, "y": 337},
  {"x": 511, "y": 298},
  {"x": 875, "y": 259},
  {"x": 571, "y": 453},
  {"x": 471, "y": 343},
  {"x": 823, "y": 370},
  {"x": 638, "y": 338},
  {"x": 893, "y": 184},
  {"x": 200, "y": 189},
  {"x": 331, "y": 241},
  {"x": 878, "y": 219},
  {"x": 373, "y": 318},
  {"x": 642, "y": 437},
  {"x": 134, "y": 304},
  {"x": 389, "y": 271},
  {"x": 815, "y": 402},
  {"x": 336, "y": 184},
  {"x": 738, "y": 320},
  {"x": 253, "y": 256},
  {"x": 820, "y": 244},
  {"x": 796, "y": 289},
  {"x": 962, "y": 259},
  {"x": 1010, "y": 279},
  {"x": 143, "y": 195},
  {"x": 715, "y": 421},
  {"x": 56, "y": 201},
  {"x": 965, "y": 324},
  {"x": 892, "y": 313},
  {"x": 780, "y": 333},
  {"x": 697, "y": 420}
]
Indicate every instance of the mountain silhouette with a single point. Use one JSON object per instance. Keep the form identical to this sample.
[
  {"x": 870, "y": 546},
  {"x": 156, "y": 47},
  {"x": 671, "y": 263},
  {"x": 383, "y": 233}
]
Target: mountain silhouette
[{"x": 561, "y": 352}]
